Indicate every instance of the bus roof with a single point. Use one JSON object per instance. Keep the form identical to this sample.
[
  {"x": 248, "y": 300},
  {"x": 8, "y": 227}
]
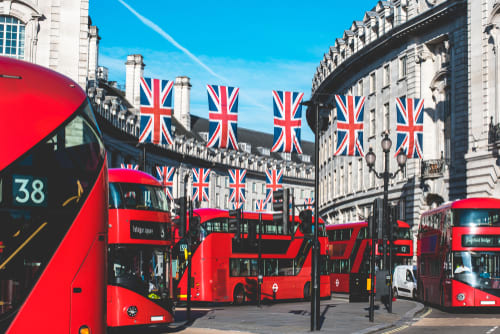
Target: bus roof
[
  {"x": 209, "y": 213},
  {"x": 401, "y": 224},
  {"x": 124, "y": 175},
  {"x": 467, "y": 203},
  {"x": 35, "y": 101}
]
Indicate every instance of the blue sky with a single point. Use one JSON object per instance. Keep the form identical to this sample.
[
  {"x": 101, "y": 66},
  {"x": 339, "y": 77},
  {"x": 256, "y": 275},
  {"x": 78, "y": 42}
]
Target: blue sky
[{"x": 258, "y": 46}]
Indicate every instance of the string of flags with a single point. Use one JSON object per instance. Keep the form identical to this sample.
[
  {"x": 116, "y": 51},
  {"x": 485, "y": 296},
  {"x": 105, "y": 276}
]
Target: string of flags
[{"x": 156, "y": 120}]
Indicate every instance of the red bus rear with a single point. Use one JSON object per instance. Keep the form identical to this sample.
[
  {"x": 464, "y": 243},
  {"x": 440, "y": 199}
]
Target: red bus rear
[
  {"x": 225, "y": 270},
  {"x": 458, "y": 254},
  {"x": 53, "y": 205},
  {"x": 349, "y": 252},
  {"x": 139, "y": 245}
]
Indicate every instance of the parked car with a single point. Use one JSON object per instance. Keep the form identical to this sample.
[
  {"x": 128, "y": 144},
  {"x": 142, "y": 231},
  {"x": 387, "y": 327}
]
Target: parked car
[{"x": 404, "y": 282}]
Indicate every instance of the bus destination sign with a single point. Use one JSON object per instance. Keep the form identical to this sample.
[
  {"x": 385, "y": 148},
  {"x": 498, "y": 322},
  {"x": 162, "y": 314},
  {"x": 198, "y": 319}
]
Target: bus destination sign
[
  {"x": 473, "y": 240},
  {"x": 147, "y": 230}
]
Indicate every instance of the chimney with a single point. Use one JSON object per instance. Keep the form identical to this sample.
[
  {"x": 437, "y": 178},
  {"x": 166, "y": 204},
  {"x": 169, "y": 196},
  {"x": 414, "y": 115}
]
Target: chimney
[
  {"x": 93, "y": 52},
  {"x": 134, "y": 72},
  {"x": 182, "y": 89}
]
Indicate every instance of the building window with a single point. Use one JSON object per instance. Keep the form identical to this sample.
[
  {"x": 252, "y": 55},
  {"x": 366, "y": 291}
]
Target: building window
[
  {"x": 387, "y": 118},
  {"x": 360, "y": 174},
  {"x": 372, "y": 123},
  {"x": 349, "y": 178},
  {"x": 335, "y": 192},
  {"x": 372, "y": 83},
  {"x": 402, "y": 67},
  {"x": 341, "y": 192},
  {"x": 387, "y": 75},
  {"x": 11, "y": 37},
  {"x": 360, "y": 88}
]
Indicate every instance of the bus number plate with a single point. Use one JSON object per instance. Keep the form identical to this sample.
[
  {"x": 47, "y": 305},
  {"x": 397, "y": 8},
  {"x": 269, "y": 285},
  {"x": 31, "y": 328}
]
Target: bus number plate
[{"x": 28, "y": 190}]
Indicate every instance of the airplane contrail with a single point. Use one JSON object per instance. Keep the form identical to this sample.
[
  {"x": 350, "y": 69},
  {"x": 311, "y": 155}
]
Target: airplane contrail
[{"x": 169, "y": 38}]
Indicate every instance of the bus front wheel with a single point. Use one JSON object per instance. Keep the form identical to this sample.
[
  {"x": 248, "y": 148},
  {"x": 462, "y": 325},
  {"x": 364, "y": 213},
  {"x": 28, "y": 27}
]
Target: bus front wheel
[
  {"x": 239, "y": 295},
  {"x": 307, "y": 291}
]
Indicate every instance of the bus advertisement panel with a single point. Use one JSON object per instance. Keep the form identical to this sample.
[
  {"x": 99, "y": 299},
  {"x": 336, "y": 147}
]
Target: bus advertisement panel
[
  {"x": 458, "y": 254},
  {"x": 225, "y": 269}
]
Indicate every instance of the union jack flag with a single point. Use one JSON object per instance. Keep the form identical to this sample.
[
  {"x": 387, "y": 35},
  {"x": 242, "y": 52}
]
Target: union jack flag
[
  {"x": 260, "y": 205},
  {"x": 223, "y": 116},
  {"x": 410, "y": 127},
  {"x": 274, "y": 180},
  {"x": 237, "y": 205},
  {"x": 156, "y": 111},
  {"x": 350, "y": 125},
  {"x": 130, "y": 166},
  {"x": 201, "y": 182},
  {"x": 309, "y": 203},
  {"x": 287, "y": 121},
  {"x": 237, "y": 180},
  {"x": 166, "y": 176}
]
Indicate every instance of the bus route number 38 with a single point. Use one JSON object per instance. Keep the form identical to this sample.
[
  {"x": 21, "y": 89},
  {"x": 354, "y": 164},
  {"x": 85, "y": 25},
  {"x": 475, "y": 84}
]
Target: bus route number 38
[{"x": 29, "y": 191}]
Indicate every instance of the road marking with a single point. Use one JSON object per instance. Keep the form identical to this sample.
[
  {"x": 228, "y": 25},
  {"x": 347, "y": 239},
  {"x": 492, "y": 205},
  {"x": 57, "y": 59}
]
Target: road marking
[
  {"x": 397, "y": 329},
  {"x": 465, "y": 322},
  {"x": 492, "y": 330}
]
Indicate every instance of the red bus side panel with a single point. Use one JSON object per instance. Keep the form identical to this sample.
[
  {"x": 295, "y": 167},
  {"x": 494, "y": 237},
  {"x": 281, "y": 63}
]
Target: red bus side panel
[{"x": 50, "y": 300}]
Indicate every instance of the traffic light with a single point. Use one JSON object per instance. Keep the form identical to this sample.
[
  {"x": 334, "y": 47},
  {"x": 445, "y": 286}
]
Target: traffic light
[
  {"x": 194, "y": 228},
  {"x": 305, "y": 217},
  {"x": 281, "y": 203},
  {"x": 180, "y": 210},
  {"x": 378, "y": 217},
  {"x": 235, "y": 223}
]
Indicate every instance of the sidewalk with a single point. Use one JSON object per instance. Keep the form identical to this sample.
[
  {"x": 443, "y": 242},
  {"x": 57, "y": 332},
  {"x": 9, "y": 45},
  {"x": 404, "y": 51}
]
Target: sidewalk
[{"x": 337, "y": 315}]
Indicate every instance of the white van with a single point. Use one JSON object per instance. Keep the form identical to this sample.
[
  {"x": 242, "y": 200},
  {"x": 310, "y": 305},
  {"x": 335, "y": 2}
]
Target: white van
[{"x": 404, "y": 282}]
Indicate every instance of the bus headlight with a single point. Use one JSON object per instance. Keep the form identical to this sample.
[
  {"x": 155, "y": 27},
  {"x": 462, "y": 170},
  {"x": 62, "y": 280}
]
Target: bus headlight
[
  {"x": 461, "y": 297},
  {"x": 84, "y": 330},
  {"x": 132, "y": 311}
]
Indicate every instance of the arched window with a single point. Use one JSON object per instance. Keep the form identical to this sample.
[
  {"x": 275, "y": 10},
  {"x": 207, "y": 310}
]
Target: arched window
[{"x": 11, "y": 37}]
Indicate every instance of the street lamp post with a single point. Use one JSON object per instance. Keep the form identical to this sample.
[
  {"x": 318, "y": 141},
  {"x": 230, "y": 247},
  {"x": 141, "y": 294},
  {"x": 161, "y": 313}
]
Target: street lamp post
[
  {"x": 370, "y": 161},
  {"x": 315, "y": 272}
]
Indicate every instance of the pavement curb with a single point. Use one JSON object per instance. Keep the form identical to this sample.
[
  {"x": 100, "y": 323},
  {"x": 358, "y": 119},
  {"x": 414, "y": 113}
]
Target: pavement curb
[{"x": 405, "y": 319}]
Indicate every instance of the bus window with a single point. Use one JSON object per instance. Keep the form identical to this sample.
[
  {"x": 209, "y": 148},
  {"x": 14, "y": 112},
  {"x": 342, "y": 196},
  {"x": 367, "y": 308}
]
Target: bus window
[
  {"x": 115, "y": 200},
  {"x": 285, "y": 267},
  {"x": 476, "y": 217},
  {"x": 270, "y": 267}
]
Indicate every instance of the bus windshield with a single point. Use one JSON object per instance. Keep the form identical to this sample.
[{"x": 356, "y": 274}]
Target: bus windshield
[
  {"x": 139, "y": 268},
  {"x": 476, "y": 217},
  {"x": 402, "y": 233},
  {"x": 478, "y": 269},
  {"x": 137, "y": 197}
]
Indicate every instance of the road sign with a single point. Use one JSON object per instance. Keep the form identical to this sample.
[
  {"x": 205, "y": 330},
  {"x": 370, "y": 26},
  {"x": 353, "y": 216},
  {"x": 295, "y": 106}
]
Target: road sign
[{"x": 275, "y": 287}]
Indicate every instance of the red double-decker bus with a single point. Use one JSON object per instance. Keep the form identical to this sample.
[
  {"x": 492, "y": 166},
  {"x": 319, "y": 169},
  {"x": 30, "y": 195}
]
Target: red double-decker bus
[
  {"x": 349, "y": 251},
  {"x": 139, "y": 250},
  {"x": 225, "y": 269},
  {"x": 458, "y": 254},
  {"x": 53, "y": 205}
]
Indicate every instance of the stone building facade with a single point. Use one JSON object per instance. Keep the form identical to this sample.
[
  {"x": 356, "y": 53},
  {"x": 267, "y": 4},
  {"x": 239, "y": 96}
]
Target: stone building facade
[
  {"x": 445, "y": 52},
  {"x": 59, "y": 35}
]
